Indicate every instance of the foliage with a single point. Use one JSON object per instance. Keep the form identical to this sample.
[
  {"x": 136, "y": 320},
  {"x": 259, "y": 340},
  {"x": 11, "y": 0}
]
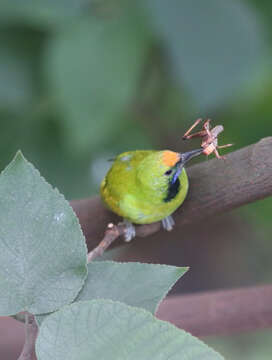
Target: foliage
[
  {"x": 111, "y": 330},
  {"x": 43, "y": 266},
  {"x": 204, "y": 58},
  {"x": 141, "y": 285},
  {"x": 39, "y": 232},
  {"x": 165, "y": 62},
  {"x": 85, "y": 80},
  {"x": 96, "y": 48}
]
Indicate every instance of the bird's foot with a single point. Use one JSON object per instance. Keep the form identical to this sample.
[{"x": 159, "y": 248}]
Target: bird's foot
[
  {"x": 168, "y": 223},
  {"x": 130, "y": 231}
]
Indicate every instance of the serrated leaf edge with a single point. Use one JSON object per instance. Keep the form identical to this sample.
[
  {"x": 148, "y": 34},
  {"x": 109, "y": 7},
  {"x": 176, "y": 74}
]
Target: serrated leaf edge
[
  {"x": 20, "y": 158},
  {"x": 140, "y": 310}
]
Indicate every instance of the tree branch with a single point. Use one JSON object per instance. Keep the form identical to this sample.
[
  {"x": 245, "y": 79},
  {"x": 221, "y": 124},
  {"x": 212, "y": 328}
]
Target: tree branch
[
  {"x": 220, "y": 312},
  {"x": 111, "y": 234},
  {"x": 216, "y": 186}
]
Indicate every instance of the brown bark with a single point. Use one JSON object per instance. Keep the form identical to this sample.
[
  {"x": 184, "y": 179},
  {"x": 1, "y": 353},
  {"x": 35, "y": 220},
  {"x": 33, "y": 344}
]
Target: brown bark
[{"x": 220, "y": 312}]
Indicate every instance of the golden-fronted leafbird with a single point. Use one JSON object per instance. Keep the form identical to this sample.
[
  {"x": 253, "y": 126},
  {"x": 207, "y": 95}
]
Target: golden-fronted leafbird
[{"x": 145, "y": 186}]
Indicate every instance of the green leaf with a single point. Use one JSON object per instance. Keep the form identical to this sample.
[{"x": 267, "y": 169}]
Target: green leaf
[
  {"x": 113, "y": 280},
  {"x": 94, "y": 67},
  {"x": 141, "y": 285},
  {"x": 214, "y": 45},
  {"x": 16, "y": 69},
  {"x": 15, "y": 87},
  {"x": 42, "y": 248},
  {"x": 104, "y": 330}
]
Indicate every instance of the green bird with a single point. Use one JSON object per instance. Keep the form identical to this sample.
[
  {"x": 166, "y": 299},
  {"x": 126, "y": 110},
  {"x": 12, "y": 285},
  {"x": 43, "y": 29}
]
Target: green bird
[{"x": 145, "y": 186}]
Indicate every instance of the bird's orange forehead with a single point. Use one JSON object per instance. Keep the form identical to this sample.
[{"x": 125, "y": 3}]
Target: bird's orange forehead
[{"x": 170, "y": 158}]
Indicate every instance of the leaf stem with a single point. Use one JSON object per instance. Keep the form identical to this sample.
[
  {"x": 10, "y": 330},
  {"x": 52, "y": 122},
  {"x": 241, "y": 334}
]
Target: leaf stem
[{"x": 31, "y": 331}]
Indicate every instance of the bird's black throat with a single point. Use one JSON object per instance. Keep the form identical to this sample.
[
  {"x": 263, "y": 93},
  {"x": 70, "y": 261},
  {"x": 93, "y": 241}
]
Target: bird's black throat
[{"x": 172, "y": 190}]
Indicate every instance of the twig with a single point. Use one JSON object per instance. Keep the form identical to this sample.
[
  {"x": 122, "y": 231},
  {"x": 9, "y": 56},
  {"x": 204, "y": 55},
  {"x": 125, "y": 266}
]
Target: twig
[
  {"x": 215, "y": 187},
  {"x": 111, "y": 234},
  {"x": 31, "y": 332},
  {"x": 220, "y": 312}
]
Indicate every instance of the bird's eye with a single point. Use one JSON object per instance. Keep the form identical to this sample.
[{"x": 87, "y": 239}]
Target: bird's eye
[{"x": 168, "y": 172}]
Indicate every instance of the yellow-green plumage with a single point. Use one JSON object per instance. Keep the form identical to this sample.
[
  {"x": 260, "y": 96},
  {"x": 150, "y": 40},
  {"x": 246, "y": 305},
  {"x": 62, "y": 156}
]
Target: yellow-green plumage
[{"x": 138, "y": 188}]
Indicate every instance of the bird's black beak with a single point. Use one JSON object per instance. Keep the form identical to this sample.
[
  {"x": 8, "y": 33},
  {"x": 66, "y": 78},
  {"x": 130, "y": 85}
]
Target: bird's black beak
[{"x": 184, "y": 157}]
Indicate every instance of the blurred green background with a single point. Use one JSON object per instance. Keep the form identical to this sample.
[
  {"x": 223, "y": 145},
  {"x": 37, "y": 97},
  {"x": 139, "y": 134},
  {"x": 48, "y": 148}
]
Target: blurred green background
[{"x": 83, "y": 80}]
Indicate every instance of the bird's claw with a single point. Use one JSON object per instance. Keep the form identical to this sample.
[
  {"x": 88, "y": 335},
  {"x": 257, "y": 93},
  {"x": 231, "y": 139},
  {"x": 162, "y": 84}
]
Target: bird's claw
[
  {"x": 168, "y": 223},
  {"x": 130, "y": 231}
]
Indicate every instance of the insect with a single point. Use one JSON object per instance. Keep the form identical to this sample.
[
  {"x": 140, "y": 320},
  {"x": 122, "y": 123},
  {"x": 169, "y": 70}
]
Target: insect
[{"x": 209, "y": 137}]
